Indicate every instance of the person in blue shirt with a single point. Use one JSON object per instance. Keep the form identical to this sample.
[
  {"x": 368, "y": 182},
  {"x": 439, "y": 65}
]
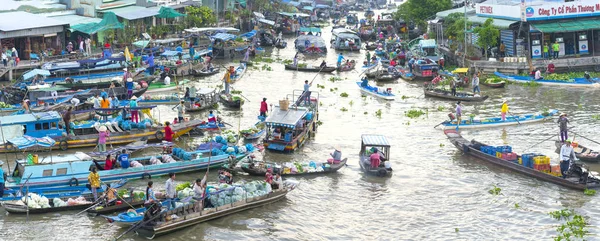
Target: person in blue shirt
[
  {"x": 340, "y": 59},
  {"x": 411, "y": 62},
  {"x": 150, "y": 62},
  {"x": 192, "y": 52},
  {"x": 2, "y": 179},
  {"x": 307, "y": 92},
  {"x": 150, "y": 193},
  {"x": 129, "y": 86},
  {"x": 365, "y": 82},
  {"x": 114, "y": 102},
  {"x": 124, "y": 159}
]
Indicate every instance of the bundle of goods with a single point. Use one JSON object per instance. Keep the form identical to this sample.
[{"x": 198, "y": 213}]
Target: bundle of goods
[
  {"x": 34, "y": 201},
  {"x": 5, "y": 105},
  {"x": 226, "y": 194},
  {"x": 253, "y": 130},
  {"x": 128, "y": 125},
  {"x": 232, "y": 150},
  {"x": 138, "y": 195},
  {"x": 502, "y": 152},
  {"x": 136, "y": 164},
  {"x": 305, "y": 167},
  {"x": 542, "y": 164},
  {"x": 173, "y": 96}
]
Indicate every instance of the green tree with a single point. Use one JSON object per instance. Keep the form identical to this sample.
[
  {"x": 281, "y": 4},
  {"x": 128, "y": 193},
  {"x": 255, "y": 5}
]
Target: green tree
[
  {"x": 199, "y": 16},
  {"x": 488, "y": 35},
  {"x": 454, "y": 27},
  {"x": 419, "y": 11}
]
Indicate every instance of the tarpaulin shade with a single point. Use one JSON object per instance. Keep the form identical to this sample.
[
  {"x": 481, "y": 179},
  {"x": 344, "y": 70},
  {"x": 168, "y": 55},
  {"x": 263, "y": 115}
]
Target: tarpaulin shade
[
  {"x": 108, "y": 22},
  {"x": 166, "y": 12}
]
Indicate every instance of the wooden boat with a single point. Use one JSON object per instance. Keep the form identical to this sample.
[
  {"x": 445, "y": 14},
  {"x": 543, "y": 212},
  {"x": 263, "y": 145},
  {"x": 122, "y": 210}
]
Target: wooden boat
[
  {"x": 205, "y": 99},
  {"x": 200, "y": 73},
  {"x": 387, "y": 77},
  {"x": 347, "y": 67},
  {"x": 446, "y": 94},
  {"x": 405, "y": 74},
  {"x": 497, "y": 121},
  {"x": 371, "y": 47},
  {"x": 498, "y": 85},
  {"x": 230, "y": 101},
  {"x": 15, "y": 207},
  {"x": 239, "y": 72},
  {"x": 253, "y": 170},
  {"x": 192, "y": 214},
  {"x": 255, "y": 132},
  {"x": 576, "y": 180},
  {"x": 126, "y": 204},
  {"x": 372, "y": 65},
  {"x": 125, "y": 220},
  {"x": 161, "y": 87},
  {"x": 375, "y": 92},
  {"x": 14, "y": 194},
  {"x": 583, "y": 153},
  {"x": 99, "y": 81},
  {"x": 210, "y": 126},
  {"x": 380, "y": 143},
  {"x": 576, "y": 82},
  {"x": 310, "y": 69}
]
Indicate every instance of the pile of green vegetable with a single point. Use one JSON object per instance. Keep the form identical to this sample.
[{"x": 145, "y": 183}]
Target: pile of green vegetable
[
  {"x": 182, "y": 186},
  {"x": 255, "y": 129},
  {"x": 5, "y": 105},
  {"x": 562, "y": 77},
  {"x": 493, "y": 80}
]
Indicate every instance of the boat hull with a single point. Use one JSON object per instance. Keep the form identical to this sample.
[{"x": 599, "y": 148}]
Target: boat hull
[
  {"x": 443, "y": 94},
  {"x": 333, "y": 168},
  {"x": 315, "y": 69},
  {"x": 375, "y": 94},
  {"x": 577, "y": 82},
  {"x": 497, "y": 122},
  {"x": 581, "y": 152}
]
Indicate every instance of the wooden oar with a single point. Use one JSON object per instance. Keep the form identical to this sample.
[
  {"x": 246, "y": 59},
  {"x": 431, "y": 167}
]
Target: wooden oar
[
  {"x": 586, "y": 138},
  {"x": 513, "y": 116},
  {"x": 440, "y": 124},
  {"x": 99, "y": 202}
]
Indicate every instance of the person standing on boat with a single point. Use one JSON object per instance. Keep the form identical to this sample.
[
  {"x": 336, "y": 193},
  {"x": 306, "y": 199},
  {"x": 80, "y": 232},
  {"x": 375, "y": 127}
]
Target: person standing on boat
[
  {"x": 193, "y": 95},
  {"x": 180, "y": 110},
  {"x": 306, "y": 92},
  {"x": 126, "y": 76},
  {"x": 368, "y": 58},
  {"x": 168, "y": 132},
  {"x": 199, "y": 188},
  {"x": 94, "y": 180},
  {"x": 475, "y": 84},
  {"x": 134, "y": 111},
  {"x": 67, "y": 119},
  {"x": 114, "y": 102},
  {"x": 566, "y": 155},
  {"x": 2, "y": 179},
  {"x": 103, "y": 134},
  {"x": 129, "y": 86},
  {"x": 170, "y": 188},
  {"x": 105, "y": 104},
  {"x": 227, "y": 79},
  {"x": 295, "y": 62},
  {"x": 504, "y": 109},
  {"x": 339, "y": 60},
  {"x": 123, "y": 159},
  {"x": 150, "y": 62},
  {"x": 375, "y": 159},
  {"x": 211, "y": 117},
  {"x": 277, "y": 182},
  {"x": 562, "y": 123},
  {"x": 247, "y": 54},
  {"x": 411, "y": 64},
  {"x": 192, "y": 52},
  {"x": 264, "y": 108},
  {"x": 96, "y": 101},
  {"x": 150, "y": 193},
  {"x": 458, "y": 111},
  {"x": 88, "y": 46}
]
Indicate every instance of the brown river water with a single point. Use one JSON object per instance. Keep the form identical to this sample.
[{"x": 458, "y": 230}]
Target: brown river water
[{"x": 436, "y": 193}]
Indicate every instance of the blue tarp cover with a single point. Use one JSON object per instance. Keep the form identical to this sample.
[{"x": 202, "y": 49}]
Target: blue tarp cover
[{"x": 23, "y": 142}]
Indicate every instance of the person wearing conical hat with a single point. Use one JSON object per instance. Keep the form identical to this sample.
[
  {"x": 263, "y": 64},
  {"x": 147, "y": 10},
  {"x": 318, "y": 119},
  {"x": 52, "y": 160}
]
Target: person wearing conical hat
[
  {"x": 567, "y": 154},
  {"x": 129, "y": 86},
  {"x": 134, "y": 111},
  {"x": 103, "y": 134},
  {"x": 562, "y": 124},
  {"x": 336, "y": 156}
]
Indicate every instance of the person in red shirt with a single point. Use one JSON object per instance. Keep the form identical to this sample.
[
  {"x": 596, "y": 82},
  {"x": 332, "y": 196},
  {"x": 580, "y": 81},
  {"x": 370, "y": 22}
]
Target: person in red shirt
[
  {"x": 106, "y": 45},
  {"x": 109, "y": 163},
  {"x": 168, "y": 132},
  {"x": 263, "y": 108},
  {"x": 550, "y": 69}
]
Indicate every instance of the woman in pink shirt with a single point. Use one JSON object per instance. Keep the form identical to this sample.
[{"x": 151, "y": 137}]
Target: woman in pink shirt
[
  {"x": 102, "y": 136},
  {"x": 375, "y": 159}
]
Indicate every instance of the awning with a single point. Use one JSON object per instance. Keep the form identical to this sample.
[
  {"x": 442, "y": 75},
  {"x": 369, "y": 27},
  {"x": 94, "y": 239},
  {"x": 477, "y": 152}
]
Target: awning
[
  {"x": 109, "y": 21},
  {"x": 566, "y": 26},
  {"x": 444, "y": 14},
  {"x": 322, "y": 6},
  {"x": 259, "y": 15},
  {"x": 500, "y": 23},
  {"x": 23, "y": 142},
  {"x": 32, "y": 73},
  {"x": 310, "y": 29},
  {"x": 248, "y": 34},
  {"x": 266, "y": 21},
  {"x": 294, "y": 14},
  {"x": 166, "y": 12},
  {"x": 224, "y": 36},
  {"x": 134, "y": 12},
  {"x": 199, "y": 30},
  {"x": 375, "y": 140},
  {"x": 308, "y": 8},
  {"x": 285, "y": 118}
]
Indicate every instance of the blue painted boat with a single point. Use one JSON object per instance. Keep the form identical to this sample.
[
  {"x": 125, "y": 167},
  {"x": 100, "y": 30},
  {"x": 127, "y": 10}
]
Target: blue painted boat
[
  {"x": 576, "y": 82},
  {"x": 239, "y": 72},
  {"x": 210, "y": 126},
  {"x": 497, "y": 121},
  {"x": 73, "y": 170},
  {"x": 12, "y": 194},
  {"x": 371, "y": 65},
  {"x": 126, "y": 219},
  {"x": 252, "y": 134},
  {"x": 375, "y": 92}
]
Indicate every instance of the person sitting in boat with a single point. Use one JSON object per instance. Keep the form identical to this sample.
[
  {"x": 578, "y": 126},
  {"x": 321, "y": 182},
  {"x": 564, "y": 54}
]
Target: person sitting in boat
[
  {"x": 365, "y": 82},
  {"x": 277, "y": 182},
  {"x": 538, "y": 75},
  {"x": 211, "y": 117},
  {"x": 109, "y": 195},
  {"x": 153, "y": 208},
  {"x": 323, "y": 64},
  {"x": 567, "y": 155},
  {"x": 269, "y": 176},
  {"x": 150, "y": 193},
  {"x": 391, "y": 70},
  {"x": 550, "y": 69},
  {"x": 225, "y": 177},
  {"x": 277, "y": 134},
  {"x": 375, "y": 159},
  {"x": 124, "y": 159},
  {"x": 336, "y": 156}
]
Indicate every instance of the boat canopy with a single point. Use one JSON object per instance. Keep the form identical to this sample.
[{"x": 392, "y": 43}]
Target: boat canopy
[
  {"x": 285, "y": 118},
  {"x": 322, "y": 6},
  {"x": 248, "y": 35},
  {"x": 259, "y": 15},
  {"x": 266, "y": 21},
  {"x": 308, "y": 8},
  {"x": 427, "y": 43},
  {"x": 374, "y": 140},
  {"x": 310, "y": 29},
  {"x": 338, "y": 31},
  {"x": 224, "y": 36},
  {"x": 199, "y": 30},
  {"x": 32, "y": 73},
  {"x": 23, "y": 142},
  {"x": 170, "y": 53},
  {"x": 301, "y": 15},
  {"x": 316, "y": 40},
  {"x": 27, "y": 118},
  {"x": 204, "y": 91},
  {"x": 168, "y": 40}
]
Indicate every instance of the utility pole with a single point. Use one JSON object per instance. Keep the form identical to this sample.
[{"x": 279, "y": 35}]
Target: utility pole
[{"x": 465, "y": 47}]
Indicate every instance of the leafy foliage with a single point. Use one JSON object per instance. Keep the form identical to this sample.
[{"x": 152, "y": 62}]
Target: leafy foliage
[
  {"x": 418, "y": 11},
  {"x": 488, "y": 35},
  {"x": 199, "y": 16}
]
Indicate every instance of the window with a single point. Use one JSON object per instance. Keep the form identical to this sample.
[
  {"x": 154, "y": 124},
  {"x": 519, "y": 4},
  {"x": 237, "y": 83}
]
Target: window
[
  {"x": 53, "y": 125},
  {"x": 61, "y": 171},
  {"x": 46, "y": 126},
  {"x": 38, "y": 126},
  {"x": 47, "y": 173}
]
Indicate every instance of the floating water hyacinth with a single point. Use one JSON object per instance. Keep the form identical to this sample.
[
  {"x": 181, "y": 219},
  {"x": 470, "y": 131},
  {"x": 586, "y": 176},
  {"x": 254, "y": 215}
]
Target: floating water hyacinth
[{"x": 344, "y": 94}]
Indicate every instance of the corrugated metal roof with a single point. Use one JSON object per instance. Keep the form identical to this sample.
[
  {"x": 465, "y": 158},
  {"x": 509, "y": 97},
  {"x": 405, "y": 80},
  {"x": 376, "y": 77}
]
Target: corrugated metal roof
[
  {"x": 500, "y": 23},
  {"x": 286, "y": 118},
  {"x": 13, "y": 21},
  {"x": 374, "y": 140},
  {"x": 444, "y": 14},
  {"x": 26, "y": 118},
  {"x": 134, "y": 12},
  {"x": 74, "y": 19}
]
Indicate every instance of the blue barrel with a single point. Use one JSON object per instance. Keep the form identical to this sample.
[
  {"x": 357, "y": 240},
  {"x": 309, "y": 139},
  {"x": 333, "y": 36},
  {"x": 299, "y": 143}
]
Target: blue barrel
[{"x": 288, "y": 137}]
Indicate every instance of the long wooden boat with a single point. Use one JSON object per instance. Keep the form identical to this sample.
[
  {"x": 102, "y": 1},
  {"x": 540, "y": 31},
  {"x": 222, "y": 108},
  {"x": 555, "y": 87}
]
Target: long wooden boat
[
  {"x": 496, "y": 85},
  {"x": 255, "y": 135},
  {"x": 192, "y": 214},
  {"x": 200, "y": 73},
  {"x": 310, "y": 69},
  {"x": 161, "y": 87},
  {"x": 375, "y": 92},
  {"x": 348, "y": 67},
  {"x": 261, "y": 171},
  {"x": 14, "y": 194},
  {"x": 576, "y": 82},
  {"x": 497, "y": 121},
  {"x": 239, "y": 72},
  {"x": 583, "y": 153},
  {"x": 15, "y": 207},
  {"x": 126, "y": 204},
  {"x": 387, "y": 77},
  {"x": 446, "y": 94},
  {"x": 472, "y": 148}
]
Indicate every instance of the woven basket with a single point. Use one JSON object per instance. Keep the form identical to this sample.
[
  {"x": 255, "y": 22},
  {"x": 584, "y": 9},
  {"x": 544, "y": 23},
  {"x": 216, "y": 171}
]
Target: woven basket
[{"x": 284, "y": 104}]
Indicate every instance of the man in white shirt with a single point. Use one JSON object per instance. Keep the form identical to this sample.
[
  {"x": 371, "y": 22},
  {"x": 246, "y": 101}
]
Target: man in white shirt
[
  {"x": 277, "y": 182},
  {"x": 171, "y": 192},
  {"x": 538, "y": 74},
  {"x": 167, "y": 80},
  {"x": 566, "y": 155}
]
